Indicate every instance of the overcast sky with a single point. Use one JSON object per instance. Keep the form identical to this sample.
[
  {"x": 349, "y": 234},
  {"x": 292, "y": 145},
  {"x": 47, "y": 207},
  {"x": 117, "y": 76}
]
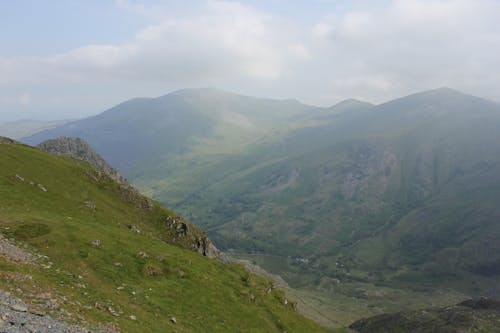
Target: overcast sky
[{"x": 70, "y": 59}]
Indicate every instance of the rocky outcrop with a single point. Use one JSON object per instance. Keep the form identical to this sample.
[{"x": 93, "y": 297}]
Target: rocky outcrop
[
  {"x": 187, "y": 234},
  {"x": 78, "y": 148},
  {"x": 16, "y": 316},
  {"x": 6, "y": 141},
  {"x": 366, "y": 163},
  {"x": 11, "y": 252}
]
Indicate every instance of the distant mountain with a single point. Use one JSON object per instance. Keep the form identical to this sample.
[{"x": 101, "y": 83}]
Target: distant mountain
[
  {"x": 22, "y": 128},
  {"x": 404, "y": 191},
  {"x": 139, "y": 132},
  {"x": 472, "y": 316}
]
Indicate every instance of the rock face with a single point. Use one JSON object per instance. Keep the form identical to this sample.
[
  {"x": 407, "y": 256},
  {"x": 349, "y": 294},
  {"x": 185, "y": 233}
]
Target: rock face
[
  {"x": 17, "y": 317},
  {"x": 13, "y": 253},
  {"x": 197, "y": 241},
  {"x": 78, "y": 148}
]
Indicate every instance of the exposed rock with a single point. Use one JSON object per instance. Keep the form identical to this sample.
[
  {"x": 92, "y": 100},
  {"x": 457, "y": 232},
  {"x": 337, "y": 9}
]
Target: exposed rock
[
  {"x": 19, "y": 307},
  {"x": 113, "y": 311},
  {"x": 130, "y": 194},
  {"x": 13, "y": 253},
  {"x": 143, "y": 255},
  {"x": 133, "y": 228},
  {"x": 200, "y": 242},
  {"x": 17, "y": 318},
  {"x": 6, "y": 141},
  {"x": 173, "y": 320},
  {"x": 41, "y": 187},
  {"x": 96, "y": 243},
  {"x": 205, "y": 247},
  {"x": 78, "y": 148},
  {"x": 366, "y": 162},
  {"x": 182, "y": 229},
  {"x": 89, "y": 204}
]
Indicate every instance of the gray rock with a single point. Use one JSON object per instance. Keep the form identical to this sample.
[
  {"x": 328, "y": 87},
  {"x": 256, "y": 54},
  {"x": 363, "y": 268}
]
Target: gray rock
[
  {"x": 19, "y": 307},
  {"x": 78, "y": 148},
  {"x": 16, "y": 318},
  {"x": 133, "y": 228},
  {"x": 89, "y": 204},
  {"x": 13, "y": 253},
  {"x": 41, "y": 187}
]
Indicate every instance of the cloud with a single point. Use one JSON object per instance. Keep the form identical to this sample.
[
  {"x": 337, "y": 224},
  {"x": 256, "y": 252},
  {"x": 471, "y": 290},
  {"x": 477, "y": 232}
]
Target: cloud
[
  {"x": 228, "y": 41},
  {"x": 373, "y": 51},
  {"x": 413, "y": 45}
]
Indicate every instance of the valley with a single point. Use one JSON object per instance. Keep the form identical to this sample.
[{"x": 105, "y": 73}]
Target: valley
[{"x": 370, "y": 208}]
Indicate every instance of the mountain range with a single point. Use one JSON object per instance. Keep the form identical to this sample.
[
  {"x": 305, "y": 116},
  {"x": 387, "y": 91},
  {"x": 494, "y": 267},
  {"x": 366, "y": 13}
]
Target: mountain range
[{"x": 404, "y": 192}]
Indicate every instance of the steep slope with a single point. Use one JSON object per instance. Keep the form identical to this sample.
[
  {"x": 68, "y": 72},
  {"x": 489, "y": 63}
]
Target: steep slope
[
  {"x": 78, "y": 148},
  {"x": 100, "y": 254}
]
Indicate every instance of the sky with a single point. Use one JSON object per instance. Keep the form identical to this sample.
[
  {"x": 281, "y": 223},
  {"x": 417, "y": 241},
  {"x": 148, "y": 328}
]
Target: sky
[{"x": 67, "y": 59}]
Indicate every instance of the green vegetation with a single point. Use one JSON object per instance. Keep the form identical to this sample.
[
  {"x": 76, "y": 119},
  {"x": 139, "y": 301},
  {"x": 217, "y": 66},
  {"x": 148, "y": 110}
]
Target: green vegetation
[
  {"x": 400, "y": 195},
  {"x": 77, "y": 221}
]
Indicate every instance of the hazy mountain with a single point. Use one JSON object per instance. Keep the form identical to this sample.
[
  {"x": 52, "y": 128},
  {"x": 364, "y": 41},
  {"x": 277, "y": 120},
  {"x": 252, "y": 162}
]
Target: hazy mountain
[
  {"x": 472, "y": 316},
  {"x": 22, "y": 128},
  {"x": 404, "y": 191},
  {"x": 152, "y": 128}
]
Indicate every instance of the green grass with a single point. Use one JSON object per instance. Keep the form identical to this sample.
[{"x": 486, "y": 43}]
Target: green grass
[{"x": 203, "y": 294}]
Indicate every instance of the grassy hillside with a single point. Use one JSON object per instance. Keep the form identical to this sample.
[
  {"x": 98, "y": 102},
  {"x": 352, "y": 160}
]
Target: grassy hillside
[{"x": 95, "y": 267}]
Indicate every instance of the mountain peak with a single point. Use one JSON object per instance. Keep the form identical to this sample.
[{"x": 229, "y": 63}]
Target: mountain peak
[{"x": 351, "y": 102}]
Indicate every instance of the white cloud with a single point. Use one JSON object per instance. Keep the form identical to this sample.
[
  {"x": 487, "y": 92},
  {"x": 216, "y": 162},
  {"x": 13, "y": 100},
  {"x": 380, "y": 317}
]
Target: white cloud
[
  {"x": 412, "y": 45},
  {"x": 374, "y": 52},
  {"x": 229, "y": 41}
]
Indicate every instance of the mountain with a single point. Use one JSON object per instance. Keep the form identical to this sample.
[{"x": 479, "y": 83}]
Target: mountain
[
  {"x": 143, "y": 131},
  {"x": 400, "y": 193},
  {"x": 21, "y": 128},
  {"x": 481, "y": 315},
  {"x": 78, "y": 248}
]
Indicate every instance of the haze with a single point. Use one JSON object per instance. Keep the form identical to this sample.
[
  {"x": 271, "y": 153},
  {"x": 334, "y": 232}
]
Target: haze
[{"x": 70, "y": 59}]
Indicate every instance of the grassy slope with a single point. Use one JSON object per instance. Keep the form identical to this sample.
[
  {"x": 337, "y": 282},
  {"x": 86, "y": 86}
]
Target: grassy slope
[{"x": 203, "y": 294}]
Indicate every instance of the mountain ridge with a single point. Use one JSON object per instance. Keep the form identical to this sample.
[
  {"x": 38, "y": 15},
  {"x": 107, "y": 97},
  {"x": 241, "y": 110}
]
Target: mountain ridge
[{"x": 322, "y": 181}]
